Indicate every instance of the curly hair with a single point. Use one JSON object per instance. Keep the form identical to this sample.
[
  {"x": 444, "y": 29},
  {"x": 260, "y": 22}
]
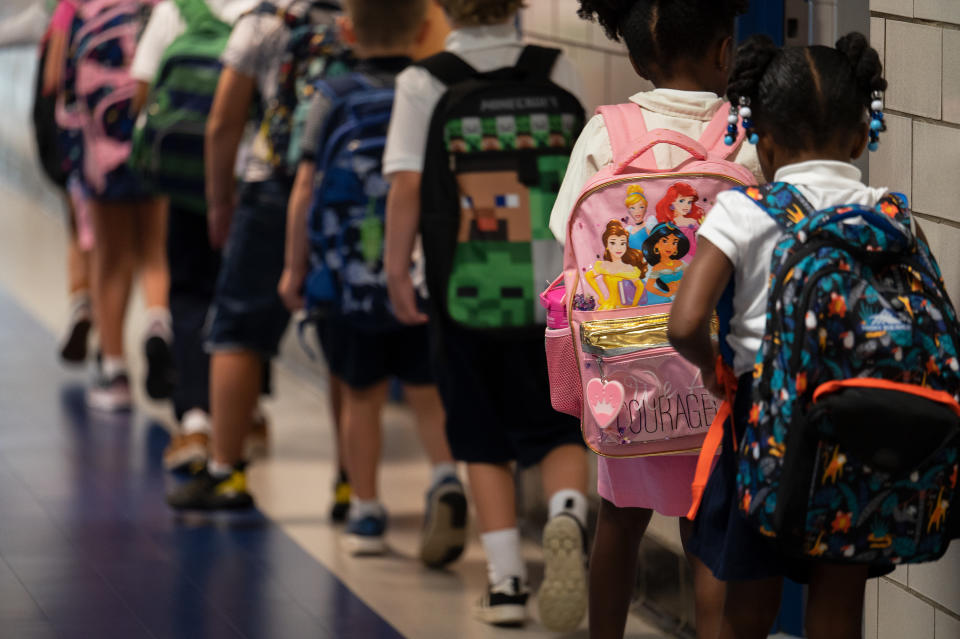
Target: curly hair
[
  {"x": 475, "y": 13},
  {"x": 661, "y": 31},
  {"x": 804, "y": 97}
]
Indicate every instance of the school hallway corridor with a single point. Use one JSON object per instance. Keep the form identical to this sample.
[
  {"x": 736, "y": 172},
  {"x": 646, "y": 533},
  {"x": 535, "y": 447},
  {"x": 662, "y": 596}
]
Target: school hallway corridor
[{"x": 88, "y": 549}]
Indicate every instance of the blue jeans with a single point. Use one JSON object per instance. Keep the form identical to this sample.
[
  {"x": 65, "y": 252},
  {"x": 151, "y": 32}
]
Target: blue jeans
[{"x": 247, "y": 312}]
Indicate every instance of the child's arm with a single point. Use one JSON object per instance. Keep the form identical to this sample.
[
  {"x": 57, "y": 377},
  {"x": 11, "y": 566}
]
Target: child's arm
[
  {"x": 403, "y": 219},
  {"x": 298, "y": 242},
  {"x": 689, "y": 329},
  {"x": 225, "y": 126}
]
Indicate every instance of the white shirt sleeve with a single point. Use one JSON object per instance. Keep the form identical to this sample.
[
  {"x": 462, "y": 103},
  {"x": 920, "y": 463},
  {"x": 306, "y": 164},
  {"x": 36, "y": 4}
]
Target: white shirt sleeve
[
  {"x": 417, "y": 95},
  {"x": 591, "y": 153},
  {"x": 565, "y": 75},
  {"x": 164, "y": 26},
  {"x": 725, "y": 225}
]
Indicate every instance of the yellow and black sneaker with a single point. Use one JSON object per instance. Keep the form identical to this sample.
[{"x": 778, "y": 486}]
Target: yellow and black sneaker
[
  {"x": 208, "y": 492},
  {"x": 341, "y": 499}
]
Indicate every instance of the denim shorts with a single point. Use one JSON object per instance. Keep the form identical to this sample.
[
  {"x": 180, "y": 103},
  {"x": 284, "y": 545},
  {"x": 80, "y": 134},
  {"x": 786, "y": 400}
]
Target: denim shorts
[{"x": 247, "y": 313}]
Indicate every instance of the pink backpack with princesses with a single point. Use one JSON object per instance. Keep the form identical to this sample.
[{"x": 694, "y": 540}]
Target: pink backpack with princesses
[{"x": 630, "y": 237}]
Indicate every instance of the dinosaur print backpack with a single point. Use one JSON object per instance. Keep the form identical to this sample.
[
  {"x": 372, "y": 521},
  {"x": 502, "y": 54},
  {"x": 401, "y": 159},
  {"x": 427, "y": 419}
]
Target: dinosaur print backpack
[
  {"x": 630, "y": 238},
  {"x": 851, "y": 451}
]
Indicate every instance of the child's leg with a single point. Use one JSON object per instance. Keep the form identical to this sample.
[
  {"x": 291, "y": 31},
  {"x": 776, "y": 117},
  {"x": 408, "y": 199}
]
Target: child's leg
[
  {"x": 152, "y": 220},
  {"x": 78, "y": 260},
  {"x": 235, "y": 383},
  {"x": 708, "y": 590},
  {"x": 362, "y": 436},
  {"x": 431, "y": 422},
  {"x": 750, "y": 608},
  {"x": 613, "y": 567},
  {"x": 114, "y": 261},
  {"x": 835, "y": 602},
  {"x": 492, "y": 487}
]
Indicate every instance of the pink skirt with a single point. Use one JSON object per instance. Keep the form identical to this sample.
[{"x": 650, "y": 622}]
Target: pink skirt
[{"x": 661, "y": 484}]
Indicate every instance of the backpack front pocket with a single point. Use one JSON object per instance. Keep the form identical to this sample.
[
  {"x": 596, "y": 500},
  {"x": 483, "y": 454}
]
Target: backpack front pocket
[
  {"x": 869, "y": 475},
  {"x": 640, "y": 396}
]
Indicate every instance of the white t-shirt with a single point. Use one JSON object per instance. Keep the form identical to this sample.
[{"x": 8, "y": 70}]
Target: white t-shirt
[
  {"x": 747, "y": 235},
  {"x": 166, "y": 24},
  {"x": 484, "y": 48},
  {"x": 687, "y": 112}
]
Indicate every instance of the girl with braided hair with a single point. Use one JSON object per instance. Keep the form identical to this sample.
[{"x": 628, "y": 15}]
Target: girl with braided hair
[
  {"x": 808, "y": 109},
  {"x": 684, "y": 48}
]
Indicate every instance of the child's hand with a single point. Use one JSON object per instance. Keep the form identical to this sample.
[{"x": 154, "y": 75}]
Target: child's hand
[
  {"x": 403, "y": 297},
  {"x": 710, "y": 381},
  {"x": 219, "y": 217},
  {"x": 291, "y": 287}
]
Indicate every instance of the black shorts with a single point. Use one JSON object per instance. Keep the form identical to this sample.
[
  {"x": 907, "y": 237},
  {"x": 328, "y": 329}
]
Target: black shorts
[
  {"x": 497, "y": 397},
  {"x": 363, "y": 358}
]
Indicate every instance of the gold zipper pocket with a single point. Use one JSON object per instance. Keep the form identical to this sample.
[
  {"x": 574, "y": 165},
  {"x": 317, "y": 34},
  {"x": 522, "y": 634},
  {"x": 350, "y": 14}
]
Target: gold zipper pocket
[{"x": 627, "y": 335}]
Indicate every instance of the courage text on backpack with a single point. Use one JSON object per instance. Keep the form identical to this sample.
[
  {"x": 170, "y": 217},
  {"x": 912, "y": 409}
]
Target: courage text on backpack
[
  {"x": 497, "y": 151},
  {"x": 630, "y": 238},
  {"x": 169, "y": 139},
  {"x": 348, "y": 211},
  {"x": 851, "y": 452}
]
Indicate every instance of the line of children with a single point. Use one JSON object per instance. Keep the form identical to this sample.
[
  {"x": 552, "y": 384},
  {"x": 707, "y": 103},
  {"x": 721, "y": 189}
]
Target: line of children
[
  {"x": 685, "y": 49},
  {"x": 365, "y": 359},
  {"x": 492, "y": 411}
]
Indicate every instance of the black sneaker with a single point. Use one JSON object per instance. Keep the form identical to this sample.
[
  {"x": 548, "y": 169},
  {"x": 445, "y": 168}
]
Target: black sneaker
[
  {"x": 504, "y": 604},
  {"x": 444, "y": 524},
  {"x": 341, "y": 499},
  {"x": 161, "y": 377},
  {"x": 206, "y": 492},
  {"x": 73, "y": 346}
]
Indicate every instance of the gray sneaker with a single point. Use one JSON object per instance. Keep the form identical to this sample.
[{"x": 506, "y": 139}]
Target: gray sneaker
[
  {"x": 110, "y": 395},
  {"x": 562, "y": 599}
]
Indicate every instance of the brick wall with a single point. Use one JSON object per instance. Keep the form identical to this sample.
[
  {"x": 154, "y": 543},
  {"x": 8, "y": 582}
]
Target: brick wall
[
  {"x": 605, "y": 69},
  {"x": 919, "y": 41}
]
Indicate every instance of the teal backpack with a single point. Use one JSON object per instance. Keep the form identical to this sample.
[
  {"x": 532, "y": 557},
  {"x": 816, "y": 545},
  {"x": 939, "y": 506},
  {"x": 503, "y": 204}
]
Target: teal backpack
[{"x": 168, "y": 142}]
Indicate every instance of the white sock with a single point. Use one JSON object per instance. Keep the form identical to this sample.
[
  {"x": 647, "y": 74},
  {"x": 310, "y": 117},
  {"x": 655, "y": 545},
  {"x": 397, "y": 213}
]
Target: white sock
[
  {"x": 360, "y": 508},
  {"x": 503, "y": 555},
  {"x": 80, "y": 300},
  {"x": 195, "y": 420},
  {"x": 441, "y": 471},
  {"x": 112, "y": 366},
  {"x": 159, "y": 323},
  {"x": 219, "y": 470},
  {"x": 569, "y": 501}
]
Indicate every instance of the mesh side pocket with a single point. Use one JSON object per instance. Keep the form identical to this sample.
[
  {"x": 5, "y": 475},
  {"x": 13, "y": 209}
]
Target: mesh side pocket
[{"x": 566, "y": 394}]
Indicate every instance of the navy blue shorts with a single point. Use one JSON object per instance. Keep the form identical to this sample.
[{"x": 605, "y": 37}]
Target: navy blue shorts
[
  {"x": 497, "y": 397},
  {"x": 722, "y": 539},
  {"x": 247, "y": 312},
  {"x": 362, "y": 359}
]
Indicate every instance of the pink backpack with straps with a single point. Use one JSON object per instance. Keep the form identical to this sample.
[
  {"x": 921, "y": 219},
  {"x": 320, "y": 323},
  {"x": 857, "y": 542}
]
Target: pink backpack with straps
[{"x": 630, "y": 237}]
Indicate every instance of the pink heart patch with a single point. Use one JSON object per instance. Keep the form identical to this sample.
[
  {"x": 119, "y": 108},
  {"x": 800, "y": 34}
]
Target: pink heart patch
[{"x": 605, "y": 400}]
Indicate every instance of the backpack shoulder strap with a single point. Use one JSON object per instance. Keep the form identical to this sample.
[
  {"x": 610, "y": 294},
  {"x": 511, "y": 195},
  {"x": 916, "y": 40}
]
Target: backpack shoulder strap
[
  {"x": 625, "y": 125},
  {"x": 537, "y": 62},
  {"x": 195, "y": 12},
  {"x": 783, "y": 202},
  {"x": 713, "y": 136},
  {"x": 448, "y": 67}
]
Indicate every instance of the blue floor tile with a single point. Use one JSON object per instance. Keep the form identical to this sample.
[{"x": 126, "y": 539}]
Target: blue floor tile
[{"x": 89, "y": 549}]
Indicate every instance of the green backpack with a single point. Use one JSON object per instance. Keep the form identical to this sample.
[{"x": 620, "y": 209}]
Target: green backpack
[{"x": 168, "y": 142}]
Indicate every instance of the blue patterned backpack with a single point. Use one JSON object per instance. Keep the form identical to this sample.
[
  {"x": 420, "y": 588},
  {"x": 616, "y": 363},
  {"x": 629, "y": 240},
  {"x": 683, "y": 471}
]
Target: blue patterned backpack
[
  {"x": 346, "y": 223},
  {"x": 851, "y": 451}
]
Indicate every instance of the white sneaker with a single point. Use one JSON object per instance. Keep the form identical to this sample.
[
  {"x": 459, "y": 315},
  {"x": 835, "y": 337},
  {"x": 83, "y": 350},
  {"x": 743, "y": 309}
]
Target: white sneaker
[
  {"x": 562, "y": 599},
  {"x": 110, "y": 395},
  {"x": 504, "y": 604}
]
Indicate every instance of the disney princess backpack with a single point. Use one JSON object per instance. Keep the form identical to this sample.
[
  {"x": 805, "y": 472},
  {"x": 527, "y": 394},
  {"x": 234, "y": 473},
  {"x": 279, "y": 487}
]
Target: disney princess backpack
[{"x": 630, "y": 237}]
